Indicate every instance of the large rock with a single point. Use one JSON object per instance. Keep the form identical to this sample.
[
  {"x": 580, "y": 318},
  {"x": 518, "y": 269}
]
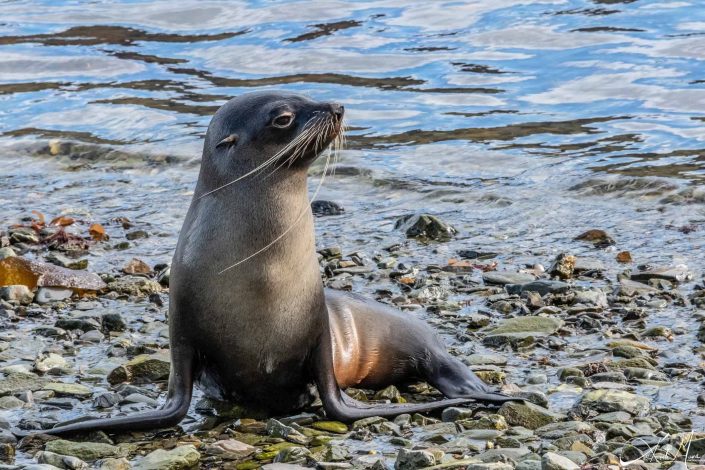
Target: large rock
[
  {"x": 135, "y": 286},
  {"x": 61, "y": 461},
  {"x": 507, "y": 277},
  {"x": 604, "y": 401},
  {"x": 68, "y": 390},
  {"x": 278, "y": 429},
  {"x": 425, "y": 226},
  {"x": 528, "y": 415},
  {"x": 540, "y": 286},
  {"x": 47, "y": 295},
  {"x": 18, "y": 293},
  {"x": 33, "y": 274},
  {"x": 411, "y": 459},
  {"x": 519, "y": 328},
  {"x": 181, "y": 457},
  {"x": 230, "y": 449},
  {"x": 19, "y": 382},
  {"x": 88, "y": 451},
  {"x": 551, "y": 461},
  {"x": 142, "y": 369}
]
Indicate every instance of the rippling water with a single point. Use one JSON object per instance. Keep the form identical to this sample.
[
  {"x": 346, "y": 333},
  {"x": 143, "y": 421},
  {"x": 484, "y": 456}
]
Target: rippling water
[{"x": 521, "y": 122}]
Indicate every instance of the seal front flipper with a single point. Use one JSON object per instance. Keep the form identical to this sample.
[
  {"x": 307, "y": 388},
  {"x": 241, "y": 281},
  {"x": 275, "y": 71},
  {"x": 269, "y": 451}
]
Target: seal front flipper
[{"x": 173, "y": 411}]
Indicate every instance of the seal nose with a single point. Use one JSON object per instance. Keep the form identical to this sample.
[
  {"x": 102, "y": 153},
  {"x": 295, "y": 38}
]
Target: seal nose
[{"x": 337, "y": 110}]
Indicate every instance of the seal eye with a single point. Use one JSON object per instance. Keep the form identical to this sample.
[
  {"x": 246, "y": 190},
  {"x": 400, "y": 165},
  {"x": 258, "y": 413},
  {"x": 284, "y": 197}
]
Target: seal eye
[{"x": 283, "y": 120}]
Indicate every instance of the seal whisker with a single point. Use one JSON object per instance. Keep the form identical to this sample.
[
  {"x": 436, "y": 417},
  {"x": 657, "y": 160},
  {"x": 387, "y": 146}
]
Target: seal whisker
[{"x": 305, "y": 209}]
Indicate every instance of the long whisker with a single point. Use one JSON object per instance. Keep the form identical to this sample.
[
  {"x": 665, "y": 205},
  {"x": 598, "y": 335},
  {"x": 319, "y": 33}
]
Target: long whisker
[
  {"x": 298, "y": 218},
  {"x": 304, "y": 143}
]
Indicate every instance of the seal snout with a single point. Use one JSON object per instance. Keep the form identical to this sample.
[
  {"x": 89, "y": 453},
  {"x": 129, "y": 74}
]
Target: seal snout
[{"x": 337, "y": 110}]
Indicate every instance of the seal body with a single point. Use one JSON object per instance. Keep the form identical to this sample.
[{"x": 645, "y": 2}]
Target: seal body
[{"x": 248, "y": 314}]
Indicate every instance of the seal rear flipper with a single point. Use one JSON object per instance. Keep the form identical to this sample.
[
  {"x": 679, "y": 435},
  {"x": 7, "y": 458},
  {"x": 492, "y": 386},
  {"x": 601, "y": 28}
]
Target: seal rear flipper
[
  {"x": 173, "y": 411},
  {"x": 455, "y": 380},
  {"x": 340, "y": 406}
]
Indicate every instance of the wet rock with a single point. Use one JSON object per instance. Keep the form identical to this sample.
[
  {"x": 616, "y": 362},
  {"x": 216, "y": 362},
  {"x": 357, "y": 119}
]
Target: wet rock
[
  {"x": 366, "y": 422},
  {"x": 182, "y": 457},
  {"x": 113, "y": 464},
  {"x": 336, "y": 453},
  {"x": 107, "y": 400},
  {"x": 485, "y": 359},
  {"x": 48, "y": 361},
  {"x": 136, "y": 235},
  {"x": 230, "y": 449},
  {"x": 278, "y": 429},
  {"x": 6, "y": 252},
  {"x": 19, "y": 294},
  {"x": 47, "y": 295},
  {"x": 629, "y": 288},
  {"x": 136, "y": 266},
  {"x": 566, "y": 428},
  {"x": 61, "y": 461},
  {"x": 551, "y": 461},
  {"x": 81, "y": 323},
  {"x": 325, "y": 208},
  {"x": 502, "y": 455},
  {"x": 66, "y": 262},
  {"x": 491, "y": 421},
  {"x": 30, "y": 273},
  {"x": 23, "y": 235},
  {"x": 593, "y": 297},
  {"x": 528, "y": 415},
  {"x": 602, "y": 400},
  {"x": 329, "y": 253},
  {"x": 88, "y": 451},
  {"x": 658, "y": 332},
  {"x": 676, "y": 274},
  {"x": 412, "y": 459},
  {"x": 506, "y": 277},
  {"x": 164, "y": 276},
  {"x": 585, "y": 265},
  {"x": 597, "y": 237},
  {"x": 145, "y": 368},
  {"x": 563, "y": 266},
  {"x": 135, "y": 286},
  {"x": 68, "y": 390},
  {"x": 542, "y": 287},
  {"x": 7, "y": 453},
  {"x": 390, "y": 393},
  {"x": 330, "y": 426},
  {"x": 11, "y": 403},
  {"x": 93, "y": 336},
  {"x": 15, "y": 383},
  {"x": 282, "y": 466},
  {"x": 520, "y": 328},
  {"x": 454, "y": 414},
  {"x": 477, "y": 320},
  {"x": 425, "y": 226},
  {"x": 113, "y": 322}
]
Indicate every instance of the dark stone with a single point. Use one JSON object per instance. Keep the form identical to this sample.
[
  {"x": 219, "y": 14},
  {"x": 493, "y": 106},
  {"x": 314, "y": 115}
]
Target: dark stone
[
  {"x": 113, "y": 322},
  {"x": 425, "y": 226},
  {"x": 324, "y": 208}
]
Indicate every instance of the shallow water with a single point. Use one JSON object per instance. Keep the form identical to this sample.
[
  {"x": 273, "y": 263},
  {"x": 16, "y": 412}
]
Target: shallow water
[{"x": 523, "y": 123}]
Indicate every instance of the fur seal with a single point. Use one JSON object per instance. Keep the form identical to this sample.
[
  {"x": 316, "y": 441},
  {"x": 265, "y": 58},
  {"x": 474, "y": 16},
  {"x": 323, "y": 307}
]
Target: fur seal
[{"x": 249, "y": 318}]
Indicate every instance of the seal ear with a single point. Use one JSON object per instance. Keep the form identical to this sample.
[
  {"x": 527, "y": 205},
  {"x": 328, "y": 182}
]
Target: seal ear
[{"x": 229, "y": 140}]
